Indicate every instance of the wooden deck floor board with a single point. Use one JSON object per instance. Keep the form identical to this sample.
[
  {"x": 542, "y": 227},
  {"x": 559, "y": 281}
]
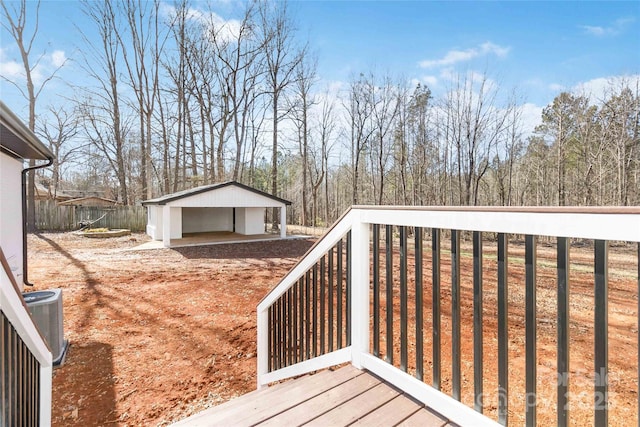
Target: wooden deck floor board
[
  {"x": 391, "y": 413},
  {"x": 315, "y": 407},
  {"x": 425, "y": 418},
  {"x": 262, "y": 404},
  {"x": 356, "y": 408},
  {"x": 346, "y": 396}
]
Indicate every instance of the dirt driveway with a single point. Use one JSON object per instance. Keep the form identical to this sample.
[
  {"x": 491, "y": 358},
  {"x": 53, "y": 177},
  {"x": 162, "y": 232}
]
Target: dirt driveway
[{"x": 155, "y": 335}]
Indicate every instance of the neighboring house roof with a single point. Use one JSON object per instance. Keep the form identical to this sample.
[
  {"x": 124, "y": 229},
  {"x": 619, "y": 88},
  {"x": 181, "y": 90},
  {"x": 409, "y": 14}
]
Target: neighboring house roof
[
  {"x": 17, "y": 140},
  {"x": 88, "y": 201},
  {"x": 43, "y": 192},
  {"x": 206, "y": 188}
]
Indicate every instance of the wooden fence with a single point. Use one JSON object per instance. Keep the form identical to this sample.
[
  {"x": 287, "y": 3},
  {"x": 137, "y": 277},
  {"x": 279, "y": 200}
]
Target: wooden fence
[{"x": 50, "y": 217}]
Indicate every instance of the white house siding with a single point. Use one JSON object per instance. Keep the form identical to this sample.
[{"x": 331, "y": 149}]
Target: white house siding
[
  {"x": 250, "y": 220},
  {"x": 11, "y": 213},
  {"x": 196, "y": 220}
]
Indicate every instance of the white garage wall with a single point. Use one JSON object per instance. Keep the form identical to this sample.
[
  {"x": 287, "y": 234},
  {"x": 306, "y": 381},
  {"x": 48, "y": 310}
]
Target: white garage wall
[
  {"x": 11, "y": 214},
  {"x": 154, "y": 222},
  {"x": 230, "y": 196},
  {"x": 250, "y": 221},
  {"x": 196, "y": 220}
]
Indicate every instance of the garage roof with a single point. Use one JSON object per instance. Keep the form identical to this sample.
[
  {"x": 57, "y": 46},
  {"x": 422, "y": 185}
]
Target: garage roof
[
  {"x": 17, "y": 140},
  {"x": 206, "y": 188}
]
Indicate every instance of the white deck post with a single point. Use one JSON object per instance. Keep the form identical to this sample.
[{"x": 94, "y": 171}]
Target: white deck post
[
  {"x": 360, "y": 291},
  {"x": 283, "y": 221},
  {"x": 262, "y": 346},
  {"x": 46, "y": 393}
]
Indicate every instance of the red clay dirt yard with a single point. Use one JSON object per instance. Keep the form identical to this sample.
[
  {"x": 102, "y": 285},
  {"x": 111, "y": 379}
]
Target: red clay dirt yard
[{"x": 155, "y": 335}]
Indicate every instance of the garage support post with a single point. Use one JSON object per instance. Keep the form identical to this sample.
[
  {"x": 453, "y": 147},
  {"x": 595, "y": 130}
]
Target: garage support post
[{"x": 283, "y": 221}]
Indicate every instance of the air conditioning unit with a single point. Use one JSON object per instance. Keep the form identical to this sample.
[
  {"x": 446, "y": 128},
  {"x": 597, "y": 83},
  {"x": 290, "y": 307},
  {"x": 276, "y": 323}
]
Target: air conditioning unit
[{"x": 46, "y": 310}]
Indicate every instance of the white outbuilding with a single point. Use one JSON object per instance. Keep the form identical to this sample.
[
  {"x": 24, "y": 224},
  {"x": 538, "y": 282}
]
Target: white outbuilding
[{"x": 224, "y": 207}]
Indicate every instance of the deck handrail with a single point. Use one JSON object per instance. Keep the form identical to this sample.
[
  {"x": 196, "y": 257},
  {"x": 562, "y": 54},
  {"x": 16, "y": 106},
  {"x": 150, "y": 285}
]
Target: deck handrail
[
  {"x": 339, "y": 229},
  {"x": 602, "y": 224},
  {"x": 14, "y": 309},
  {"x": 328, "y": 239}
]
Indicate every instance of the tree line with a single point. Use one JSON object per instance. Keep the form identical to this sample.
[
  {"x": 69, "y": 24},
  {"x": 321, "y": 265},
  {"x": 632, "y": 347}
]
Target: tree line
[{"x": 174, "y": 97}]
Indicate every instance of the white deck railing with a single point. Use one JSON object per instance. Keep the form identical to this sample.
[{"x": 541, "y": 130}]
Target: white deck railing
[
  {"x": 18, "y": 396},
  {"x": 286, "y": 302}
]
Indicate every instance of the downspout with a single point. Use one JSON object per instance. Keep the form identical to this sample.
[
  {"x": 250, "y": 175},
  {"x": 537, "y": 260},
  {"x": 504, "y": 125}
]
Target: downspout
[{"x": 25, "y": 171}]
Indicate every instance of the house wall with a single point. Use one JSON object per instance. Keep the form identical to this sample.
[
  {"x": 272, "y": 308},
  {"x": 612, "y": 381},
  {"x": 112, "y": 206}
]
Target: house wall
[
  {"x": 200, "y": 220},
  {"x": 250, "y": 221},
  {"x": 11, "y": 214}
]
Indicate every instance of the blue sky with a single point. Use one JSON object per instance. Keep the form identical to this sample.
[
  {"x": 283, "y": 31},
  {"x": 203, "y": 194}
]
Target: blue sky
[{"x": 538, "y": 48}]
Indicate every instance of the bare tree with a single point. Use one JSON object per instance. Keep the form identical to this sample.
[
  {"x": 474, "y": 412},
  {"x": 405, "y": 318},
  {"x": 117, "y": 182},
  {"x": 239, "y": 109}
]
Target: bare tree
[
  {"x": 282, "y": 59},
  {"x": 301, "y": 104},
  {"x": 559, "y": 125},
  {"x": 385, "y": 107},
  {"x": 207, "y": 92},
  {"x": 325, "y": 129},
  {"x": 15, "y": 23},
  {"x": 142, "y": 65},
  {"x": 255, "y": 123},
  {"x": 473, "y": 125},
  {"x": 58, "y": 129},
  {"x": 510, "y": 149},
  {"x": 178, "y": 74},
  {"x": 242, "y": 61},
  {"x": 423, "y": 155},
  {"x": 619, "y": 131},
  {"x": 101, "y": 108},
  {"x": 359, "y": 113}
]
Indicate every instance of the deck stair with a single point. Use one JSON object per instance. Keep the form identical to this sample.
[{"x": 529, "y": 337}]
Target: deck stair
[{"x": 341, "y": 397}]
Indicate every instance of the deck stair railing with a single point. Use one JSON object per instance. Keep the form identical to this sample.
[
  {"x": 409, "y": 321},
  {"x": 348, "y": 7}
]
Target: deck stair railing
[
  {"x": 26, "y": 371},
  {"x": 312, "y": 317},
  {"x": 392, "y": 289}
]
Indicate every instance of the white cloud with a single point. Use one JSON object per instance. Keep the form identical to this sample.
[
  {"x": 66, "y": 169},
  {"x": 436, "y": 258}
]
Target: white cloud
[
  {"x": 335, "y": 86},
  {"x": 473, "y": 78},
  {"x": 556, "y": 87},
  {"x": 58, "y": 58},
  {"x": 14, "y": 70},
  {"x": 225, "y": 29},
  {"x": 456, "y": 56},
  {"x": 11, "y": 69},
  {"x": 599, "y": 89},
  {"x": 530, "y": 117},
  {"x": 594, "y": 31},
  {"x": 429, "y": 81},
  {"x": 617, "y": 27}
]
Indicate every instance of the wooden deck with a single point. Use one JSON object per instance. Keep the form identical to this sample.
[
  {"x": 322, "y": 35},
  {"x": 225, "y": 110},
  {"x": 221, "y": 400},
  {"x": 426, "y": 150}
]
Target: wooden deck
[{"x": 346, "y": 396}]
